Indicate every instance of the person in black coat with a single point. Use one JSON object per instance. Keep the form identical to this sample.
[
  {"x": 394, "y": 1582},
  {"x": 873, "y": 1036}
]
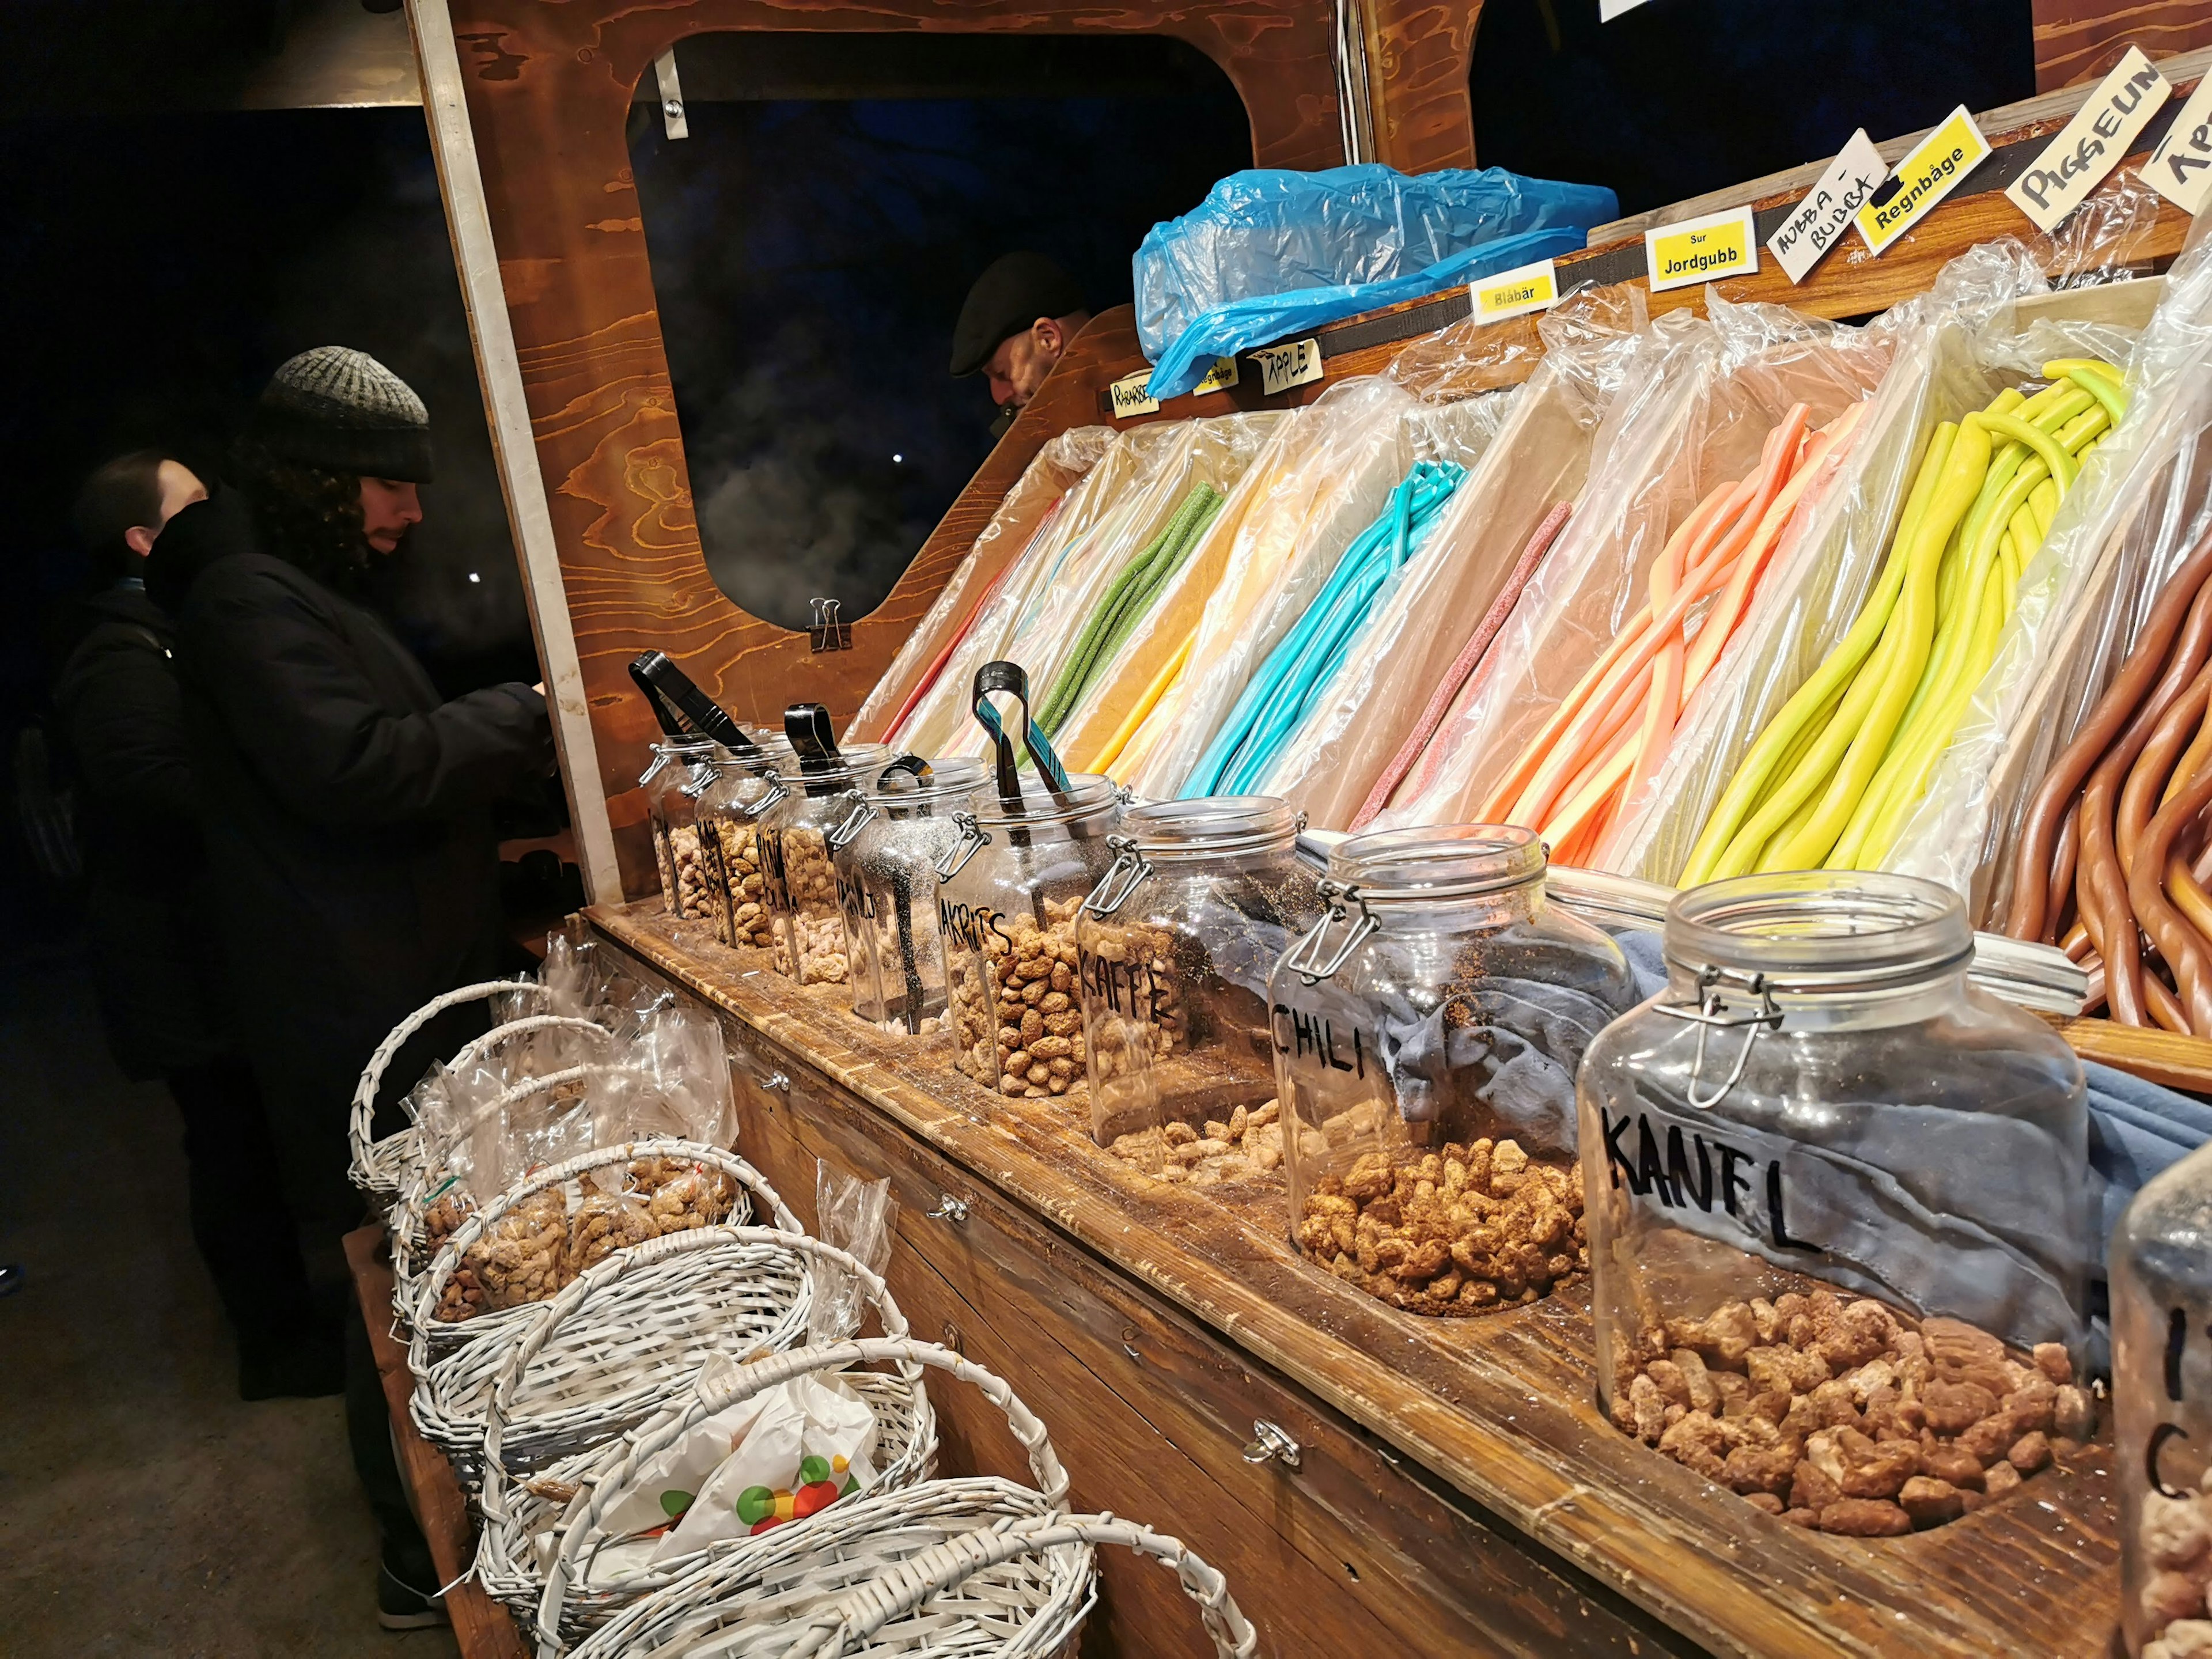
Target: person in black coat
[
  {"x": 346, "y": 808},
  {"x": 121, "y": 715}
]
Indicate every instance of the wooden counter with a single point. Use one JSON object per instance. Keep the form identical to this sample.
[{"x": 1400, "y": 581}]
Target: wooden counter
[{"x": 1456, "y": 1491}]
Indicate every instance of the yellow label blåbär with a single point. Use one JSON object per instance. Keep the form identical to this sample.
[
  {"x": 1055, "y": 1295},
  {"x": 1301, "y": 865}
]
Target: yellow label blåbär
[
  {"x": 1701, "y": 250},
  {"x": 1938, "y": 165},
  {"x": 1515, "y": 292}
]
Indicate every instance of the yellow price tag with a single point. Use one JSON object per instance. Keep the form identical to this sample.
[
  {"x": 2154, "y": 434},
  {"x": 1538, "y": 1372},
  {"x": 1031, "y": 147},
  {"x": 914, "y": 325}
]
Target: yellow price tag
[
  {"x": 1220, "y": 378},
  {"x": 1705, "y": 250},
  {"x": 1938, "y": 165},
  {"x": 1515, "y": 292},
  {"x": 1129, "y": 396}
]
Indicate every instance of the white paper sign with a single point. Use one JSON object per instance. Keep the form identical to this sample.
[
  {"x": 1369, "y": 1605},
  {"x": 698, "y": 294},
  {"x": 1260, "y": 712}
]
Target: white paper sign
[
  {"x": 1129, "y": 396},
  {"x": 2180, "y": 168},
  {"x": 1283, "y": 367},
  {"x": 1817, "y": 223},
  {"x": 1708, "y": 249},
  {"x": 2091, "y": 144},
  {"x": 1938, "y": 165},
  {"x": 1609, "y": 10},
  {"x": 1515, "y": 292}
]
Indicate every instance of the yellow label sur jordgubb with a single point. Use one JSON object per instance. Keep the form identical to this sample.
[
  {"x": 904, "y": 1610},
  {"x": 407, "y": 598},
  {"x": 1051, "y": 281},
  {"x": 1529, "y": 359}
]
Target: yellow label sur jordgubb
[{"x": 1701, "y": 250}]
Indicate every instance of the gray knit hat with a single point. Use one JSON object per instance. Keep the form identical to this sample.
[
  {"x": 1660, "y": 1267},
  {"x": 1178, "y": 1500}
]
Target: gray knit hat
[{"x": 343, "y": 411}]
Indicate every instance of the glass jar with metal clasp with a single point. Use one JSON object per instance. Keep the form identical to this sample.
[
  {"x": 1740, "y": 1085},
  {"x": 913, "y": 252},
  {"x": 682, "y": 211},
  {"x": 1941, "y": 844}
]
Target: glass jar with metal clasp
[
  {"x": 1174, "y": 950},
  {"x": 681, "y": 761},
  {"x": 1025, "y": 858},
  {"x": 1834, "y": 1187},
  {"x": 884, "y": 852},
  {"x": 730, "y": 802},
  {"x": 1426, "y": 1032},
  {"x": 791, "y": 832}
]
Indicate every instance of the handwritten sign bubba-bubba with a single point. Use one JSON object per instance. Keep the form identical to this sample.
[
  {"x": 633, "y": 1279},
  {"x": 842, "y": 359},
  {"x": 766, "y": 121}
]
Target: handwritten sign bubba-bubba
[
  {"x": 1701, "y": 250},
  {"x": 1819, "y": 222},
  {"x": 1938, "y": 165},
  {"x": 2090, "y": 146}
]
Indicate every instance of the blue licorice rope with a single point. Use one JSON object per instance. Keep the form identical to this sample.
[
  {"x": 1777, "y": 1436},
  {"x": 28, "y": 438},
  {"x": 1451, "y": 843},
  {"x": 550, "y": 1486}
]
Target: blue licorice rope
[{"x": 1282, "y": 691}]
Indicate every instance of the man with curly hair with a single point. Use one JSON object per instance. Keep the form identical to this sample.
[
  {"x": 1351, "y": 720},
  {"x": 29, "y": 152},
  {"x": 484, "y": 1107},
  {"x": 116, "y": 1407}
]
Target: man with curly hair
[{"x": 346, "y": 808}]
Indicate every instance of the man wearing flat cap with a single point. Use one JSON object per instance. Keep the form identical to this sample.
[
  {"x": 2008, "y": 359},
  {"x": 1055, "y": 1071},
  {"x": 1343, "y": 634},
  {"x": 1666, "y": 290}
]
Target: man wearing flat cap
[{"x": 1016, "y": 322}]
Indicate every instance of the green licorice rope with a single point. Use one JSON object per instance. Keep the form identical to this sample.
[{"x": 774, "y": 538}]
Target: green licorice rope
[{"x": 1126, "y": 603}]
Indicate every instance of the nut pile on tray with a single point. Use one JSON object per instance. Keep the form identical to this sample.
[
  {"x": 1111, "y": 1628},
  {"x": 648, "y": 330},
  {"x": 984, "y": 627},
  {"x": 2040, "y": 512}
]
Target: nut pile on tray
[
  {"x": 1019, "y": 1030},
  {"x": 1248, "y": 1144},
  {"x": 1851, "y": 1417},
  {"x": 1459, "y": 1231}
]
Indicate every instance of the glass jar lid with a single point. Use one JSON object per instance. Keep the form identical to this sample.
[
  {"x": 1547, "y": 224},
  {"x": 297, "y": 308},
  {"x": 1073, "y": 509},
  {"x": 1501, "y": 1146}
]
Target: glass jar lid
[
  {"x": 900, "y": 788},
  {"x": 1086, "y": 794},
  {"x": 833, "y": 774},
  {"x": 1819, "y": 932},
  {"x": 1438, "y": 861},
  {"x": 1212, "y": 826}
]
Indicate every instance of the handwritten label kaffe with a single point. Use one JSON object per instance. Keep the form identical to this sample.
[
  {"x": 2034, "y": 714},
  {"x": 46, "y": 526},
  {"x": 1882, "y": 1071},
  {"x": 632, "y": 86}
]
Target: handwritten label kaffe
[
  {"x": 1820, "y": 222},
  {"x": 2090, "y": 146},
  {"x": 1701, "y": 250}
]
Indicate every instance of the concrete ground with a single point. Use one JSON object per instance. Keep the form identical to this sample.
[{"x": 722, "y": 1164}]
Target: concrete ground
[{"x": 144, "y": 1507}]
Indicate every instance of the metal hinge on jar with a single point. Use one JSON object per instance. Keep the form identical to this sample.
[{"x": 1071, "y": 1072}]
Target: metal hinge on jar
[
  {"x": 1705, "y": 1014},
  {"x": 1122, "y": 878},
  {"x": 841, "y": 835},
  {"x": 1303, "y": 959},
  {"x": 973, "y": 840}
]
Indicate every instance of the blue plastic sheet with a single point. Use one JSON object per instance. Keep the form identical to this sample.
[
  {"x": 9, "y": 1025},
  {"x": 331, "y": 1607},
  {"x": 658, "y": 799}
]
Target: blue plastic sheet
[{"x": 1271, "y": 253}]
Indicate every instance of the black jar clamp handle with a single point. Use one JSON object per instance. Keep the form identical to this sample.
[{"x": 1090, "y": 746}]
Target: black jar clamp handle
[
  {"x": 815, "y": 742},
  {"x": 1013, "y": 680},
  {"x": 682, "y": 708}
]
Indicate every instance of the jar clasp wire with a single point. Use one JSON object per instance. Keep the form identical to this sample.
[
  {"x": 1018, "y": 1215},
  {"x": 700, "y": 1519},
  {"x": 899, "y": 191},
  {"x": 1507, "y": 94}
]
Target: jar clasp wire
[
  {"x": 1122, "y": 878},
  {"x": 854, "y": 822},
  {"x": 973, "y": 840},
  {"x": 1705, "y": 1014},
  {"x": 1302, "y": 961}
]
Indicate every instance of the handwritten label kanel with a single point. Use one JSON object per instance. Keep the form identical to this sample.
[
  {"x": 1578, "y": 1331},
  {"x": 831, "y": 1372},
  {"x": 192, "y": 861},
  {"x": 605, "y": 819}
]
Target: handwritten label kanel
[
  {"x": 1821, "y": 220},
  {"x": 1938, "y": 165},
  {"x": 1701, "y": 250},
  {"x": 2180, "y": 168},
  {"x": 1129, "y": 396},
  {"x": 1283, "y": 367},
  {"x": 1515, "y": 292},
  {"x": 2090, "y": 146}
]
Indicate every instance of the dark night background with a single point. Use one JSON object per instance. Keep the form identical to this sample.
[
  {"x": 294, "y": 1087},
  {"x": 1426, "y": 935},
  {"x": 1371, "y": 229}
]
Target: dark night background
[{"x": 166, "y": 248}]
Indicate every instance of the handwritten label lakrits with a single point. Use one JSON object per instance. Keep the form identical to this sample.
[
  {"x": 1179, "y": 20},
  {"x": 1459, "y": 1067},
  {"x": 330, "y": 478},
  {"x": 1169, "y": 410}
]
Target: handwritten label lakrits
[
  {"x": 1515, "y": 292},
  {"x": 2180, "y": 168},
  {"x": 2091, "y": 144},
  {"x": 1820, "y": 222},
  {"x": 1938, "y": 165},
  {"x": 1283, "y": 367},
  {"x": 1130, "y": 397},
  {"x": 1701, "y": 250},
  {"x": 1220, "y": 378}
]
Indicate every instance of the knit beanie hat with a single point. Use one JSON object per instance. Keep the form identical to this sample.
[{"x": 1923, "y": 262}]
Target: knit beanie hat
[{"x": 343, "y": 411}]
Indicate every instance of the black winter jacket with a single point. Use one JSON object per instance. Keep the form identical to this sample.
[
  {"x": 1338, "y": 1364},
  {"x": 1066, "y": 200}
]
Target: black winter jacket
[
  {"x": 346, "y": 808},
  {"x": 153, "y": 955}
]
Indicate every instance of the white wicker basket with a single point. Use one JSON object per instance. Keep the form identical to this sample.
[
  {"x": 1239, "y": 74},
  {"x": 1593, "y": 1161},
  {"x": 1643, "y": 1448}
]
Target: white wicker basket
[
  {"x": 429, "y": 1337},
  {"x": 740, "y": 1592},
  {"x": 616, "y": 1346},
  {"x": 992, "y": 1595},
  {"x": 517, "y": 1514},
  {"x": 406, "y": 1219},
  {"x": 379, "y": 1166}
]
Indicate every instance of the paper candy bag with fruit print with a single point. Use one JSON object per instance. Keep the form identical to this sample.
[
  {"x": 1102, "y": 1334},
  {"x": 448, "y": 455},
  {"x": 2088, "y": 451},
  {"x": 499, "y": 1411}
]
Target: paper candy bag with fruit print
[{"x": 811, "y": 1442}]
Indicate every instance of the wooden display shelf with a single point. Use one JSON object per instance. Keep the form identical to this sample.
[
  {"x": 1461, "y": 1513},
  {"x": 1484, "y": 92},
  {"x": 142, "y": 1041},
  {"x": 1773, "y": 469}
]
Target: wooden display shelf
[
  {"x": 481, "y": 1628},
  {"x": 1458, "y": 1491}
]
